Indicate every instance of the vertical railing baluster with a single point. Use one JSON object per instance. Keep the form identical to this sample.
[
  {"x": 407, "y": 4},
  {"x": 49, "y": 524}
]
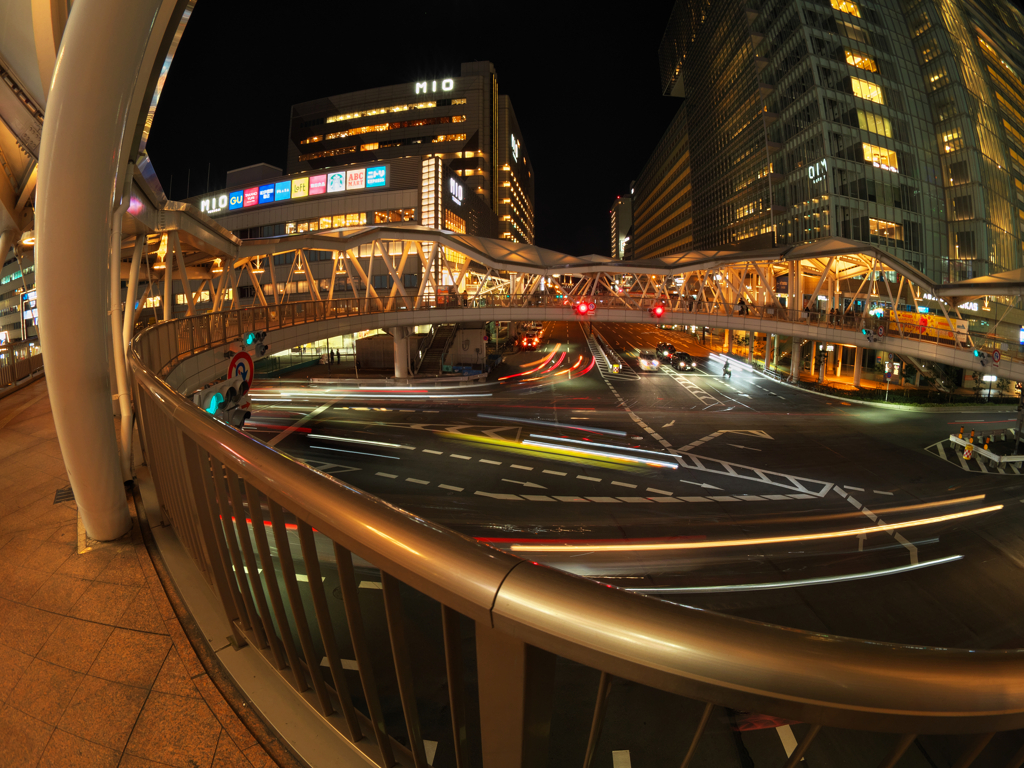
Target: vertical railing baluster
[
  {"x": 902, "y": 745},
  {"x": 357, "y": 634},
  {"x": 291, "y": 585},
  {"x": 801, "y": 748},
  {"x": 604, "y": 686},
  {"x": 323, "y": 620},
  {"x": 701, "y": 726},
  {"x": 226, "y": 530},
  {"x": 239, "y": 542},
  {"x": 403, "y": 667},
  {"x": 207, "y": 512},
  {"x": 451, "y": 621},
  {"x": 252, "y": 496},
  {"x": 974, "y": 748},
  {"x": 259, "y": 530}
]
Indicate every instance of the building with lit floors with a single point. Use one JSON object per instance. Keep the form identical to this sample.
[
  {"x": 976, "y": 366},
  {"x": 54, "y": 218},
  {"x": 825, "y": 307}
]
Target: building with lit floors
[
  {"x": 460, "y": 119},
  {"x": 898, "y": 123},
  {"x": 621, "y": 216}
]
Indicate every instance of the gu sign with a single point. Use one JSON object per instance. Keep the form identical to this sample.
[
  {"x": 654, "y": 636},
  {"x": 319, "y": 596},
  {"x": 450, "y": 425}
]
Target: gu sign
[
  {"x": 446, "y": 85},
  {"x": 817, "y": 171}
]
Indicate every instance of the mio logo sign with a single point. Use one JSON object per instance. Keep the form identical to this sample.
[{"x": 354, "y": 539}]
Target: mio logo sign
[
  {"x": 214, "y": 204},
  {"x": 446, "y": 85}
]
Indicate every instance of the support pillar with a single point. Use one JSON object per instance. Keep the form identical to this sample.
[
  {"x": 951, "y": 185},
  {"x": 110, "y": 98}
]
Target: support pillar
[
  {"x": 796, "y": 359},
  {"x": 775, "y": 350},
  {"x": 401, "y": 336},
  {"x": 85, "y": 152},
  {"x": 728, "y": 341},
  {"x": 751, "y": 338},
  {"x": 857, "y": 358}
]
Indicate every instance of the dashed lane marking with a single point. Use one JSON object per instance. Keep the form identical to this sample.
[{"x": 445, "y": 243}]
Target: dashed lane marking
[
  {"x": 520, "y": 466},
  {"x": 884, "y": 493},
  {"x": 500, "y": 496},
  {"x": 624, "y": 485},
  {"x": 853, "y": 488},
  {"x": 590, "y": 479},
  {"x": 458, "y": 456},
  {"x": 436, "y": 453},
  {"x": 371, "y": 585},
  {"x": 489, "y": 461},
  {"x": 385, "y": 474},
  {"x": 553, "y": 472},
  {"x": 658, "y": 490},
  {"x": 450, "y": 487},
  {"x": 415, "y": 480}
]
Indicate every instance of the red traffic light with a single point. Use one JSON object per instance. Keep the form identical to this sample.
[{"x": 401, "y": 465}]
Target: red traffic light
[
  {"x": 583, "y": 308},
  {"x": 657, "y": 311}
]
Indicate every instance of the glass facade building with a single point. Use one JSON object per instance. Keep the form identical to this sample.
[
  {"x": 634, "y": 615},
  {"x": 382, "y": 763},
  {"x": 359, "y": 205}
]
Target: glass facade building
[{"x": 895, "y": 122}]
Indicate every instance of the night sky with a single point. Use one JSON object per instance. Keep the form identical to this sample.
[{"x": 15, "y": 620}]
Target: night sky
[{"x": 584, "y": 84}]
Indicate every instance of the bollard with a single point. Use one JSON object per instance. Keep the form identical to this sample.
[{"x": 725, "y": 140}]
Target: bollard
[
  {"x": 985, "y": 446},
  {"x": 972, "y": 435}
]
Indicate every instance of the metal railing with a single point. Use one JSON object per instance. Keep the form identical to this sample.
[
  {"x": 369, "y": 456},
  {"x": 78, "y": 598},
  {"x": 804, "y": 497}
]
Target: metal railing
[
  {"x": 273, "y": 536},
  {"x": 165, "y": 345},
  {"x": 18, "y": 361}
]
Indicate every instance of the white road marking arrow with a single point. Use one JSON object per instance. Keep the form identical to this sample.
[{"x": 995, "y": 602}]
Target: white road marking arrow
[
  {"x": 524, "y": 484},
  {"x": 702, "y": 485},
  {"x": 666, "y": 426}
]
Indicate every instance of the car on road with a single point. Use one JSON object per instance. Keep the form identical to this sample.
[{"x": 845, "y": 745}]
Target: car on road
[
  {"x": 665, "y": 351},
  {"x": 648, "y": 361},
  {"x": 682, "y": 361},
  {"x": 529, "y": 341}
]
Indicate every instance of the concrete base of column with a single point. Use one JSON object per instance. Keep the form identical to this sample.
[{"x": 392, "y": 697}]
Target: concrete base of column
[
  {"x": 796, "y": 360},
  {"x": 401, "y": 336}
]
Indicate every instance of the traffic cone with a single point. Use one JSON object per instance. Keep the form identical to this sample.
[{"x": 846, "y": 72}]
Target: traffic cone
[
  {"x": 985, "y": 446},
  {"x": 961, "y": 434},
  {"x": 972, "y": 435}
]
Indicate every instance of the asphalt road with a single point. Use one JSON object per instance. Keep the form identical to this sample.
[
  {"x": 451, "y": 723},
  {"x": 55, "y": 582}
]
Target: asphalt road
[
  {"x": 742, "y": 495},
  {"x": 699, "y": 488}
]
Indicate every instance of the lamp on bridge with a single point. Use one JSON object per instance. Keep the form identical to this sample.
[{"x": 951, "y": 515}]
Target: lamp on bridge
[
  {"x": 257, "y": 270},
  {"x": 161, "y": 253},
  {"x": 657, "y": 311}
]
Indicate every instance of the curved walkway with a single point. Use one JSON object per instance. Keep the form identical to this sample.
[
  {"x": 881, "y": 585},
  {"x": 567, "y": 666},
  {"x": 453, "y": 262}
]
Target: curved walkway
[{"x": 95, "y": 665}]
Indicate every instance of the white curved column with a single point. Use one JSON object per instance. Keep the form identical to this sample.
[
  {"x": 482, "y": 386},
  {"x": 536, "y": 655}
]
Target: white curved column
[{"x": 92, "y": 114}]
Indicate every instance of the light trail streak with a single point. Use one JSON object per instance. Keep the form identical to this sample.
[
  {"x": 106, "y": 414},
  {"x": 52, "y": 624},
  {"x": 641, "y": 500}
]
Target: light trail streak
[
  {"x": 539, "y": 422},
  {"x": 603, "y": 455},
  {"x": 359, "y": 453},
  {"x": 651, "y": 546},
  {"x": 794, "y": 583},
  {"x": 544, "y": 362},
  {"x": 603, "y": 445},
  {"x": 354, "y": 440}
]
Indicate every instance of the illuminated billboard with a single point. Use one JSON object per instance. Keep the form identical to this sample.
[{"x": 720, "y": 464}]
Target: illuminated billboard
[
  {"x": 356, "y": 179},
  {"x": 335, "y": 182},
  {"x": 266, "y": 193},
  {"x": 318, "y": 184},
  {"x": 235, "y": 201},
  {"x": 282, "y": 191},
  {"x": 300, "y": 187},
  {"x": 250, "y": 196},
  {"x": 376, "y": 177}
]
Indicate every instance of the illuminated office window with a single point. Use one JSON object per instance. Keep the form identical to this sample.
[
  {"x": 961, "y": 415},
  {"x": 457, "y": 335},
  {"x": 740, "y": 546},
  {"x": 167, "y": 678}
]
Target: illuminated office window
[
  {"x": 388, "y": 110},
  {"x": 289, "y": 228},
  {"x": 312, "y": 140},
  {"x": 1013, "y": 133},
  {"x": 369, "y": 147},
  {"x": 152, "y": 301},
  {"x": 867, "y": 90},
  {"x": 846, "y": 6},
  {"x": 325, "y": 222},
  {"x": 348, "y": 220},
  {"x": 874, "y": 123},
  {"x": 881, "y": 157},
  {"x": 303, "y": 226},
  {"x": 952, "y": 140},
  {"x": 395, "y": 216},
  {"x": 454, "y": 223},
  {"x": 887, "y": 229},
  {"x": 861, "y": 61},
  {"x": 227, "y": 294},
  {"x": 449, "y": 137}
]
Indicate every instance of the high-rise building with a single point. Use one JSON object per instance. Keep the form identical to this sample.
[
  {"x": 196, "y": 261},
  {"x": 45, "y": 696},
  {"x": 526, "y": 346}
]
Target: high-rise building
[
  {"x": 895, "y": 122},
  {"x": 621, "y": 216},
  {"x": 663, "y": 196},
  {"x": 462, "y": 121}
]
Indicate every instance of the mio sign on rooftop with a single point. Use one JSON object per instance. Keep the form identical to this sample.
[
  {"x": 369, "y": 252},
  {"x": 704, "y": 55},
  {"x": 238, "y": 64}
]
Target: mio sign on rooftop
[{"x": 430, "y": 86}]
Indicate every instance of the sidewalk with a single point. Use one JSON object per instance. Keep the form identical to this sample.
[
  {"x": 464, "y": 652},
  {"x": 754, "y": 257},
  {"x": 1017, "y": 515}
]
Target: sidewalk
[{"x": 95, "y": 666}]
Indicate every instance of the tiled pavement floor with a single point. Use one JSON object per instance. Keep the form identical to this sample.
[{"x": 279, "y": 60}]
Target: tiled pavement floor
[{"x": 95, "y": 668}]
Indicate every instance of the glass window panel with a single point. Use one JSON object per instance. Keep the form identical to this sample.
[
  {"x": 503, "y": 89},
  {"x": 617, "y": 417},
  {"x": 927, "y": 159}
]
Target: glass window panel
[
  {"x": 867, "y": 90},
  {"x": 881, "y": 157},
  {"x": 846, "y": 6},
  {"x": 861, "y": 61}
]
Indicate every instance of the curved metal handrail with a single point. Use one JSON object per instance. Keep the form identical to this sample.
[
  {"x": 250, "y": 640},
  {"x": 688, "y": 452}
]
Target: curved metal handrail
[{"x": 715, "y": 658}]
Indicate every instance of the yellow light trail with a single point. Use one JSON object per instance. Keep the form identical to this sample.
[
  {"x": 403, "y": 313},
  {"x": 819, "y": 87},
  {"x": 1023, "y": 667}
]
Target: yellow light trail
[{"x": 651, "y": 547}]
